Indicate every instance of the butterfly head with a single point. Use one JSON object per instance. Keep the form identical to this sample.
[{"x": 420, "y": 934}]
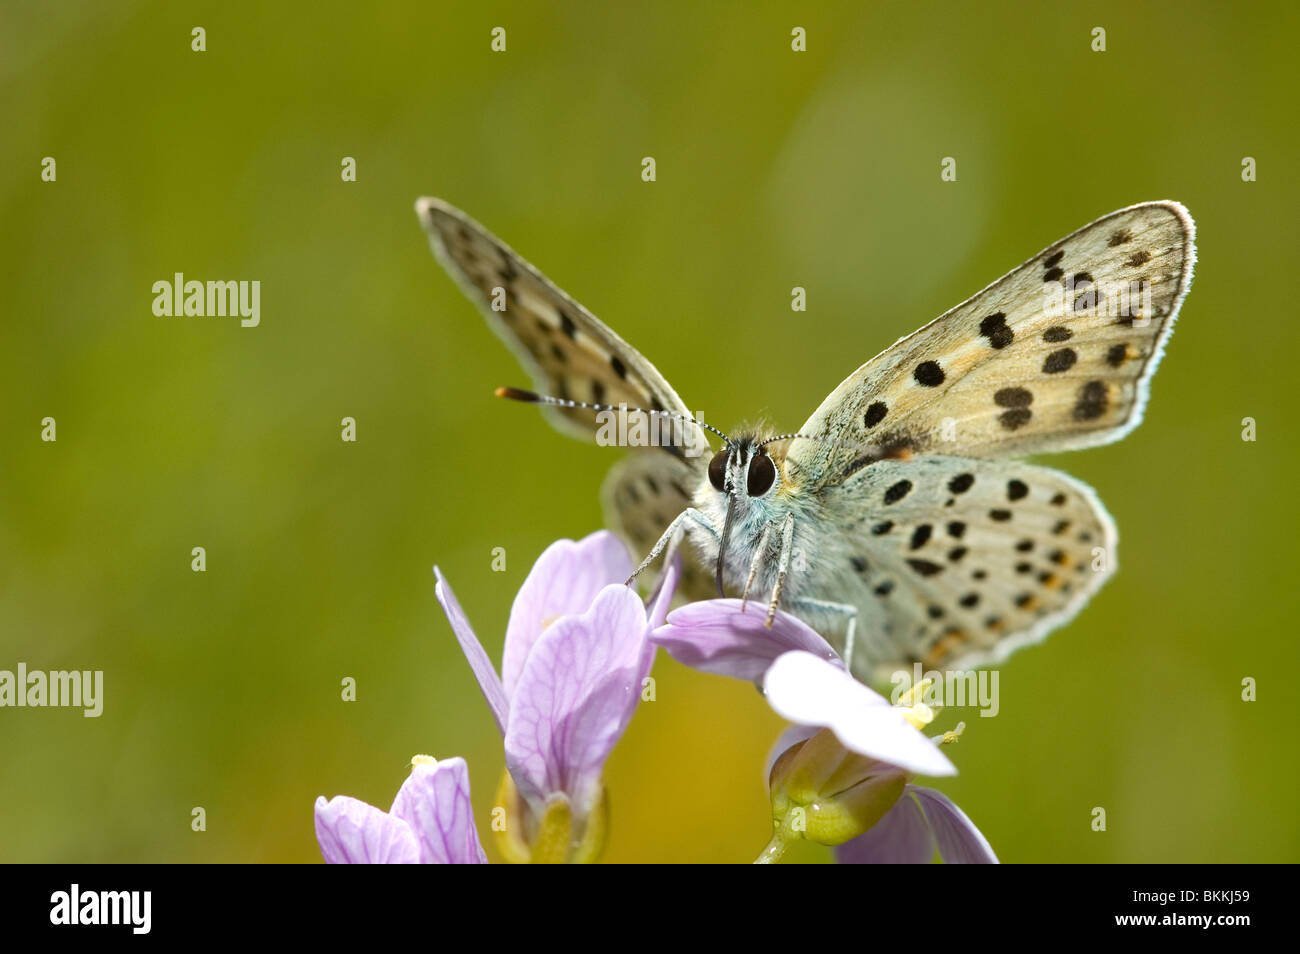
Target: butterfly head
[
  {"x": 746, "y": 474},
  {"x": 743, "y": 467}
]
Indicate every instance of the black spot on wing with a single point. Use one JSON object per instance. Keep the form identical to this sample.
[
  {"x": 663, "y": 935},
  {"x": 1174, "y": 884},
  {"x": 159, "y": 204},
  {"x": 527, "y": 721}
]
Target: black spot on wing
[
  {"x": 898, "y": 491},
  {"x": 928, "y": 374},
  {"x": 1013, "y": 397},
  {"x": 994, "y": 327},
  {"x": 1015, "y": 418},
  {"x": 1059, "y": 361},
  {"x": 567, "y": 325},
  {"x": 924, "y": 567},
  {"x": 1092, "y": 401}
]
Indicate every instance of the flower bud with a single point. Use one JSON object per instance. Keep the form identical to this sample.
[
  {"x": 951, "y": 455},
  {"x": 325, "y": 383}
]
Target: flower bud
[{"x": 825, "y": 793}]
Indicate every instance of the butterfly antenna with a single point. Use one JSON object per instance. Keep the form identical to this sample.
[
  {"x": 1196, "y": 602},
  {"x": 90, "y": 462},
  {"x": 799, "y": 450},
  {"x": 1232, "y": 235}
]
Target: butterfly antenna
[
  {"x": 530, "y": 397},
  {"x": 785, "y": 437}
]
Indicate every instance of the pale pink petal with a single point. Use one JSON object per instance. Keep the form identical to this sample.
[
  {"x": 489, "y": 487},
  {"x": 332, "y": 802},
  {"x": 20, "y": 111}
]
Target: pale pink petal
[
  {"x": 434, "y": 801},
  {"x": 563, "y": 582},
  {"x": 350, "y": 832},
  {"x": 662, "y": 598},
  {"x": 806, "y": 689},
  {"x": 479, "y": 662},
  {"x": 960, "y": 842},
  {"x": 575, "y": 697},
  {"x": 717, "y": 636},
  {"x": 901, "y": 837}
]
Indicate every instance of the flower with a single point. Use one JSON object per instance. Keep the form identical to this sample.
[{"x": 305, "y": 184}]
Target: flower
[
  {"x": 430, "y": 822},
  {"x": 842, "y": 775},
  {"x": 575, "y": 658},
  {"x": 921, "y": 822}
]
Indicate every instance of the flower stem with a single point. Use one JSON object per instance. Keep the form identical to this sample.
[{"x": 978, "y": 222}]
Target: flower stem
[{"x": 774, "y": 850}]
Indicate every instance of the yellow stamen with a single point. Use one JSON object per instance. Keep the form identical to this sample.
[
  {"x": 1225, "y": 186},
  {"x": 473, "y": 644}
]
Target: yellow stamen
[
  {"x": 908, "y": 698},
  {"x": 920, "y": 715}
]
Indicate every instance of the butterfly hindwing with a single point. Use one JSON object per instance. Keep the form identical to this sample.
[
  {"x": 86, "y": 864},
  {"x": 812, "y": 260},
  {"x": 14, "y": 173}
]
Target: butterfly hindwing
[
  {"x": 958, "y": 561},
  {"x": 568, "y": 351},
  {"x": 642, "y": 494},
  {"x": 1055, "y": 355}
]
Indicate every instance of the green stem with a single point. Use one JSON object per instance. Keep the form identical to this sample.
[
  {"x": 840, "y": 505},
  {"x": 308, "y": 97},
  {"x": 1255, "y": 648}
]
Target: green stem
[{"x": 774, "y": 850}]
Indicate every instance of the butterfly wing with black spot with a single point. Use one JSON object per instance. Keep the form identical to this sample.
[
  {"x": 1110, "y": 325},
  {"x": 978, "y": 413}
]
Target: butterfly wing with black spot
[
  {"x": 956, "y": 562},
  {"x": 568, "y": 352},
  {"x": 1055, "y": 355}
]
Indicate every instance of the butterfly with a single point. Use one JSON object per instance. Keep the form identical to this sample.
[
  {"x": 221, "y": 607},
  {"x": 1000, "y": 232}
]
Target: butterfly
[{"x": 898, "y": 521}]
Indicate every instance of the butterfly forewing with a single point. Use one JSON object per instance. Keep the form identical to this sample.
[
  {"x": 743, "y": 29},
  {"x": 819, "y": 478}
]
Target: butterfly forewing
[
  {"x": 961, "y": 560},
  {"x": 568, "y": 352},
  {"x": 1055, "y": 355}
]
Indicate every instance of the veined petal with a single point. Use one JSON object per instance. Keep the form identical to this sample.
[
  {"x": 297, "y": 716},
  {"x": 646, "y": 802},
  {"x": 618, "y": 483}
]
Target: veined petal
[
  {"x": 663, "y": 597},
  {"x": 434, "y": 802},
  {"x": 809, "y": 690},
  {"x": 960, "y": 842},
  {"x": 563, "y": 582},
  {"x": 350, "y": 832},
  {"x": 574, "y": 699},
  {"x": 717, "y": 636},
  {"x": 902, "y": 837},
  {"x": 479, "y": 662}
]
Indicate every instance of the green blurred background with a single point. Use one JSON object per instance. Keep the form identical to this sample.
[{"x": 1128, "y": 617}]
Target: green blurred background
[{"x": 775, "y": 169}]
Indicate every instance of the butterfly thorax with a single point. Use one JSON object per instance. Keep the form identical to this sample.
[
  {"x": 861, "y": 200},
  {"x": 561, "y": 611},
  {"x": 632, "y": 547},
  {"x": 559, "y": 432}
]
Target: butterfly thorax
[{"x": 750, "y": 495}]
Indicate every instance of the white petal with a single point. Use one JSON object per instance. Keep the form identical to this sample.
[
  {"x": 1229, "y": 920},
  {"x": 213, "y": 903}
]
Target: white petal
[{"x": 811, "y": 691}]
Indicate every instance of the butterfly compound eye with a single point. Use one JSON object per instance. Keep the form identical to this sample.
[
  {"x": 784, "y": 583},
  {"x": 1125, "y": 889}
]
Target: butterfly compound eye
[
  {"x": 761, "y": 474},
  {"x": 718, "y": 470}
]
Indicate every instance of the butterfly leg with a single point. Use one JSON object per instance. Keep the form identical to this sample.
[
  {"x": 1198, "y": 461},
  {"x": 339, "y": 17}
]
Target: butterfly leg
[
  {"x": 846, "y": 610},
  {"x": 759, "y": 552},
  {"x": 783, "y": 566},
  {"x": 672, "y": 535}
]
